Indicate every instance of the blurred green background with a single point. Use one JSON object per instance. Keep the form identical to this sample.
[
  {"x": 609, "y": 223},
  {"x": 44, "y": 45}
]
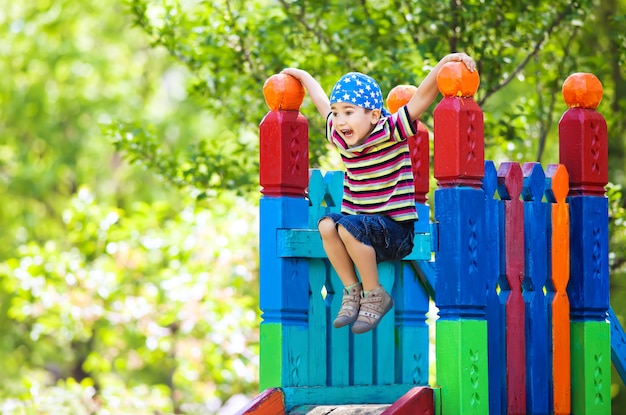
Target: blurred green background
[{"x": 129, "y": 170}]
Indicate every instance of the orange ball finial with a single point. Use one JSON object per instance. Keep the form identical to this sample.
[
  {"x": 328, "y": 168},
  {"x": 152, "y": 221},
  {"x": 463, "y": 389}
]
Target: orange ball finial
[
  {"x": 283, "y": 92},
  {"x": 398, "y": 96},
  {"x": 582, "y": 90},
  {"x": 454, "y": 79}
]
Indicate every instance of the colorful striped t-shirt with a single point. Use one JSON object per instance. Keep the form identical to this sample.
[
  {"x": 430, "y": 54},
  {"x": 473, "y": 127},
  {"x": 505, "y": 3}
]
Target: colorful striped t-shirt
[{"x": 378, "y": 177}]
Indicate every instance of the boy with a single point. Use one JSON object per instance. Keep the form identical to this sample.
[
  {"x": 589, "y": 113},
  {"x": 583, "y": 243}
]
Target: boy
[{"x": 378, "y": 210}]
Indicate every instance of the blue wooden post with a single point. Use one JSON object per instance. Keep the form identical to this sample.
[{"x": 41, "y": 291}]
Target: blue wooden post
[{"x": 536, "y": 269}]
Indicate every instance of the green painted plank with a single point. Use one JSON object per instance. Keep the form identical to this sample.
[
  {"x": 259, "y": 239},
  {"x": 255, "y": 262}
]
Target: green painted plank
[
  {"x": 462, "y": 366},
  {"x": 270, "y": 362},
  {"x": 591, "y": 368},
  {"x": 306, "y": 243},
  {"x": 376, "y": 394}
]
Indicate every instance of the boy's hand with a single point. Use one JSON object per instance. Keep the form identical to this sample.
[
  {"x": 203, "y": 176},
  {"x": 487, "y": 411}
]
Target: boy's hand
[
  {"x": 461, "y": 57},
  {"x": 313, "y": 88}
]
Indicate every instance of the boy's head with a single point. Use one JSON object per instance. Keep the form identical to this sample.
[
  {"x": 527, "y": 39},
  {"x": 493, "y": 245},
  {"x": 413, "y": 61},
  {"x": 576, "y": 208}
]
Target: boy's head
[
  {"x": 357, "y": 105},
  {"x": 358, "y": 89}
]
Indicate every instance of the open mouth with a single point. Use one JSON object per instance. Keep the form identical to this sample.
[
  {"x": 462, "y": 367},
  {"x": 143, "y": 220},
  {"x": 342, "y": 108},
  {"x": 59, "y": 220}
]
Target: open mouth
[{"x": 347, "y": 133}]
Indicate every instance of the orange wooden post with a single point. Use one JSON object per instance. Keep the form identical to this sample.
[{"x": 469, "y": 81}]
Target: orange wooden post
[{"x": 557, "y": 190}]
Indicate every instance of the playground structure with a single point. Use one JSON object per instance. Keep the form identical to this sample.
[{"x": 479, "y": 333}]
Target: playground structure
[{"x": 516, "y": 261}]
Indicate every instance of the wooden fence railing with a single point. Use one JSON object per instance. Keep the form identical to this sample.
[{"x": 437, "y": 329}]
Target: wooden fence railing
[{"x": 521, "y": 266}]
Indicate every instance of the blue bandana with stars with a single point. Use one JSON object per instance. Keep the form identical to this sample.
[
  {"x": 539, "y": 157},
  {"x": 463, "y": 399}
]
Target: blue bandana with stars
[{"x": 358, "y": 89}]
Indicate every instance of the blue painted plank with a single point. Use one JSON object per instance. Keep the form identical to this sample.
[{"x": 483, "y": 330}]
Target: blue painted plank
[
  {"x": 618, "y": 345},
  {"x": 362, "y": 362},
  {"x": 588, "y": 288},
  {"x": 339, "y": 344},
  {"x": 536, "y": 270},
  {"x": 316, "y": 193},
  {"x": 460, "y": 259},
  {"x": 284, "y": 288},
  {"x": 495, "y": 320},
  {"x": 384, "y": 336},
  {"x": 412, "y": 348},
  {"x": 318, "y": 324},
  {"x": 307, "y": 243},
  {"x": 372, "y": 394}
]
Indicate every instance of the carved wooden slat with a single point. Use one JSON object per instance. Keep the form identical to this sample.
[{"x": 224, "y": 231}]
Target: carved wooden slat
[
  {"x": 538, "y": 372},
  {"x": 509, "y": 188},
  {"x": 556, "y": 191}
]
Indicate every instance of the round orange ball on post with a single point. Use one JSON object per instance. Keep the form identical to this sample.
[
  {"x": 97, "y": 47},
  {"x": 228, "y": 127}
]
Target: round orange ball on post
[
  {"x": 582, "y": 90},
  {"x": 283, "y": 92},
  {"x": 456, "y": 80},
  {"x": 398, "y": 96}
]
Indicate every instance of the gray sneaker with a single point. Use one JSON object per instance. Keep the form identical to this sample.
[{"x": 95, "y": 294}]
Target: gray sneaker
[
  {"x": 349, "y": 306},
  {"x": 373, "y": 308}
]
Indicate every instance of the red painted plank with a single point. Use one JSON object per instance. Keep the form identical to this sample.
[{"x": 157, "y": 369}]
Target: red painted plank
[
  {"x": 270, "y": 402},
  {"x": 510, "y": 181},
  {"x": 417, "y": 401}
]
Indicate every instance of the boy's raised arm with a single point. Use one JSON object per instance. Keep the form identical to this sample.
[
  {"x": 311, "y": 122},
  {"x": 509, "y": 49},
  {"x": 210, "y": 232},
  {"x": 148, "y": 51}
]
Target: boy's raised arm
[
  {"x": 313, "y": 88},
  {"x": 427, "y": 91}
]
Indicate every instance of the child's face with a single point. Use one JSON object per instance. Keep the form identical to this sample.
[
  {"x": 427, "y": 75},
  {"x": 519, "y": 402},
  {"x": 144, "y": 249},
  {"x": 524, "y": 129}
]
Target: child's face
[{"x": 353, "y": 123}]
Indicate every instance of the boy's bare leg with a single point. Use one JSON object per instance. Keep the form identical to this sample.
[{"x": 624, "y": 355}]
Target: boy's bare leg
[
  {"x": 363, "y": 256},
  {"x": 337, "y": 253}
]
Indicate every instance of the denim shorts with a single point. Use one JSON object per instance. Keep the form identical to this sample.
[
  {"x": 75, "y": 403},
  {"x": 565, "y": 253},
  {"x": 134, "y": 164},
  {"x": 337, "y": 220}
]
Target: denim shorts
[{"x": 391, "y": 240}]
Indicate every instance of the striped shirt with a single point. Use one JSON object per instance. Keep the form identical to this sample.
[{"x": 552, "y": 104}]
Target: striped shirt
[{"x": 378, "y": 177}]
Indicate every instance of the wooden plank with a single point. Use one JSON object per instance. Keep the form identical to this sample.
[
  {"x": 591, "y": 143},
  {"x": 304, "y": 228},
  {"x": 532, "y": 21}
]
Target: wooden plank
[
  {"x": 538, "y": 361},
  {"x": 417, "y": 401},
  {"x": 618, "y": 345},
  {"x": 269, "y": 402},
  {"x": 270, "y": 356},
  {"x": 412, "y": 337},
  {"x": 307, "y": 243},
  {"x": 339, "y": 344},
  {"x": 384, "y": 334},
  {"x": 495, "y": 312},
  {"x": 348, "y": 395},
  {"x": 318, "y": 325},
  {"x": 509, "y": 188},
  {"x": 556, "y": 191}
]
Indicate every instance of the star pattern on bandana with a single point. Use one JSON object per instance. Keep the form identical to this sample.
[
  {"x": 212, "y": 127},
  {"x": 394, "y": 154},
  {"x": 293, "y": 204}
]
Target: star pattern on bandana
[{"x": 358, "y": 89}]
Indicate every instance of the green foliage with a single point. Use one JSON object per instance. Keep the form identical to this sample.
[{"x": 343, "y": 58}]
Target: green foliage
[
  {"x": 128, "y": 169},
  {"x": 149, "y": 295}
]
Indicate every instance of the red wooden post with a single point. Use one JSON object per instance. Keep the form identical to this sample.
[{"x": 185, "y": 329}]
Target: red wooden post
[
  {"x": 284, "y": 135},
  {"x": 419, "y": 146},
  {"x": 419, "y": 149},
  {"x": 509, "y": 187},
  {"x": 459, "y": 130},
  {"x": 583, "y": 146}
]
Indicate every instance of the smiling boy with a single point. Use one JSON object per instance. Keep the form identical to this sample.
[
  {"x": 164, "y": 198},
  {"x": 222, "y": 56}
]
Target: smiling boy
[{"x": 377, "y": 216}]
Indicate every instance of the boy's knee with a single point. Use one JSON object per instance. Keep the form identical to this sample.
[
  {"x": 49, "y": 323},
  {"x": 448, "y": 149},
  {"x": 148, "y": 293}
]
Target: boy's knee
[{"x": 327, "y": 227}]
